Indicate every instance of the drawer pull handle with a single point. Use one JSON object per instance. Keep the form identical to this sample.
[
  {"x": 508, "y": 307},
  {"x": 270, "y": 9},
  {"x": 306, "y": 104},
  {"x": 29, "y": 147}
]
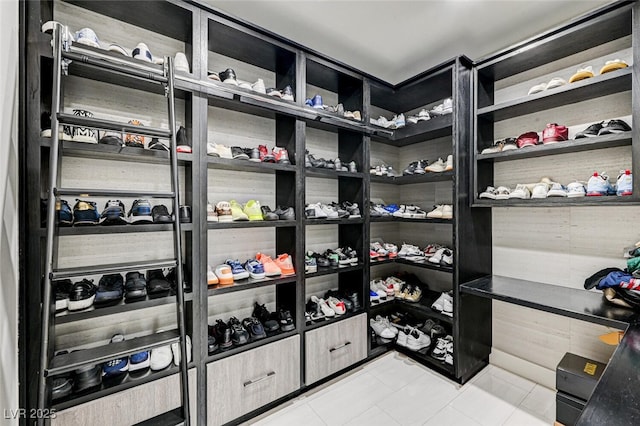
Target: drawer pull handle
[
  {"x": 344, "y": 345},
  {"x": 266, "y": 376}
]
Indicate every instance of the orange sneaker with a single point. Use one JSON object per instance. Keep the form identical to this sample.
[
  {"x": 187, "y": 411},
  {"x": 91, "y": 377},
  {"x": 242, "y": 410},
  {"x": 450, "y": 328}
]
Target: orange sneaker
[
  {"x": 285, "y": 264},
  {"x": 271, "y": 269},
  {"x": 224, "y": 274}
]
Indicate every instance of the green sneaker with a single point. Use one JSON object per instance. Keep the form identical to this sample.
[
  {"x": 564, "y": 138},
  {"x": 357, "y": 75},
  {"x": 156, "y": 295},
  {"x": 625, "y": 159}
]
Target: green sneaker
[
  {"x": 252, "y": 210},
  {"x": 236, "y": 211}
]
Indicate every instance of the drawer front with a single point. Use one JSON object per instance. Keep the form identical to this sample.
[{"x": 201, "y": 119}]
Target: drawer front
[
  {"x": 334, "y": 347},
  {"x": 244, "y": 382},
  {"x": 132, "y": 405}
]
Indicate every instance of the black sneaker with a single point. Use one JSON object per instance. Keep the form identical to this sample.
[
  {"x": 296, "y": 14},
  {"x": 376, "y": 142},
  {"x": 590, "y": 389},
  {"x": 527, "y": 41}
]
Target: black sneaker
[
  {"x": 160, "y": 214},
  {"x": 110, "y": 290},
  {"x": 111, "y": 139},
  {"x": 185, "y": 214},
  {"x": 61, "y": 289},
  {"x": 355, "y": 300},
  {"x": 265, "y": 317},
  {"x": 113, "y": 213},
  {"x": 314, "y": 311},
  {"x": 88, "y": 377},
  {"x": 286, "y": 320},
  {"x": 135, "y": 287},
  {"x": 182, "y": 141},
  {"x": 591, "y": 131},
  {"x": 254, "y": 327},
  {"x": 267, "y": 214},
  {"x": 238, "y": 153},
  {"x": 285, "y": 213},
  {"x": 172, "y": 277},
  {"x": 157, "y": 284},
  {"x": 140, "y": 212},
  {"x": 342, "y": 213},
  {"x": 155, "y": 144},
  {"x": 228, "y": 76},
  {"x": 82, "y": 295},
  {"x": 85, "y": 213},
  {"x": 212, "y": 344},
  {"x": 222, "y": 333},
  {"x": 239, "y": 336},
  {"x": 614, "y": 126},
  {"x": 61, "y": 387}
]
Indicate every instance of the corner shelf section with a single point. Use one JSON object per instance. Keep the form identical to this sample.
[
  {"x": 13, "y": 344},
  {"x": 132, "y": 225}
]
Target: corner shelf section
[
  {"x": 252, "y": 224},
  {"x": 424, "y": 264},
  {"x": 331, "y": 174},
  {"x": 327, "y": 270},
  {"x": 247, "y": 166},
  {"x": 575, "y": 145},
  {"x": 234, "y": 350},
  {"x": 590, "y": 88},
  {"x": 570, "y": 302},
  {"x": 610, "y": 200},
  {"x": 409, "y": 179},
  {"x": 322, "y": 323},
  {"x": 436, "y": 127}
]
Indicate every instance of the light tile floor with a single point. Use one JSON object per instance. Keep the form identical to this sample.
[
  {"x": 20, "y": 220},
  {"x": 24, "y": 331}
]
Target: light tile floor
[{"x": 395, "y": 390}]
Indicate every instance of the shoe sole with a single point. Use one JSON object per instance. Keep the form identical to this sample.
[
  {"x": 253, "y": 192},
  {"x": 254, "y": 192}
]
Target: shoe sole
[
  {"x": 225, "y": 281},
  {"x": 141, "y": 365},
  {"x": 225, "y": 219},
  {"x": 287, "y": 327},
  {"x": 310, "y": 269},
  {"x": 141, "y": 219},
  {"x": 257, "y": 276},
  {"x": 76, "y": 305}
]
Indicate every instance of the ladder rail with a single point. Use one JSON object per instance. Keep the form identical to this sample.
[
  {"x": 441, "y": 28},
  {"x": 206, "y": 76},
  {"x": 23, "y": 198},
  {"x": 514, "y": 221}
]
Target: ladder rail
[
  {"x": 177, "y": 241},
  {"x": 54, "y": 163}
]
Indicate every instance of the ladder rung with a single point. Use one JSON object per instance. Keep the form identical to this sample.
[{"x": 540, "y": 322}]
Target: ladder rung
[
  {"x": 170, "y": 418},
  {"x": 71, "y": 361},
  {"x": 113, "y": 193},
  {"x": 98, "y": 123},
  {"x": 112, "y": 268}
]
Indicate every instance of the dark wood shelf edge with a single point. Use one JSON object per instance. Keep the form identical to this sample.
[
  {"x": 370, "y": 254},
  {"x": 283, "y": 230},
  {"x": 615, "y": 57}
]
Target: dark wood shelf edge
[
  {"x": 241, "y": 286},
  {"x": 337, "y": 318},
  {"x": 251, "y": 345}
]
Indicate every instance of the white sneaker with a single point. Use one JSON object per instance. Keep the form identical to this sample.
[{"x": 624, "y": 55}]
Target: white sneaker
[
  {"x": 541, "y": 190},
  {"x": 521, "y": 192},
  {"x": 439, "y": 304},
  {"x": 160, "y": 357},
  {"x": 489, "y": 193},
  {"x": 438, "y": 166},
  {"x": 447, "y": 211},
  {"x": 212, "y": 216},
  {"x": 449, "y": 166},
  {"x": 438, "y": 212},
  {"x": 259, "y": 87},
  {"x": 329, "y": 211},
  {"x": 212, "y": 278},
  {"x": 443, "y": 256},
  {"x": 502, "y": 193},
  {"x": 336, "y": 305},
  {"x": 382, "y": 327},
  {"x": 576, "y": 189},
  {"x": 181, "y": 64},
  {"x": 537, "y": 88},
  {"x": 408, "y": 250},
  {"x": 245, "y": 85},
  {"x": 326, "y": 310},
  {"x": 402, "y": 338},
  {"x": 417, "y": 340},
  {"x": 557, "y": 190},
  {"x": 315, "y": 211},
  {"x": 381, "y": 291},
  {"x": 175, "y": 348}
]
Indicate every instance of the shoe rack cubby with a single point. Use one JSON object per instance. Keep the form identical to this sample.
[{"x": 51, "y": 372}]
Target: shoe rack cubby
[
  {"x": 225, "y": 114},
  {"x": 503, "y": 108}
]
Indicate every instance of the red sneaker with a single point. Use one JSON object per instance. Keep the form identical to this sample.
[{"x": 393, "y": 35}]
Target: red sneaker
[
  {"x": 281, "y": 155},
  {"x": 554, "y": 133},
  {"x": 528, "y": 139},
  {"x": 265, "y": 157}
]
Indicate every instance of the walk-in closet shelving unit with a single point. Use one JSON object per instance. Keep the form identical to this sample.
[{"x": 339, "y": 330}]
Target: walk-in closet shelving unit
[
  {"x": 504, "y": 109},
  {"x": 466, "y": 234}
]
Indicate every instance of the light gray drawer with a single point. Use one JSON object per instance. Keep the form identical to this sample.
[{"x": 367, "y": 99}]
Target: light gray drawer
[
  {"x": 132, "y": 405},
  {"x": 244, "y": 382},
  {"x": 334, "y": 347}
]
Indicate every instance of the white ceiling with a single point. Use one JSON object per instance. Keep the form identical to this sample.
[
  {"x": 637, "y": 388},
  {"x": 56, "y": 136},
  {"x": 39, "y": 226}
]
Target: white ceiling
[{"x": 395, "y": 40}]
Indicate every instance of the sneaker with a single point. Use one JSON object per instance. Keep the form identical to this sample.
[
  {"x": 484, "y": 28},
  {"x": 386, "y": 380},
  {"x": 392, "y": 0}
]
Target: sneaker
[
  {"x": 413, "y": 294},
  {"x": 281, "y": 155},
  {"x": 324, "y": 307},
  {"x": 239, "y": 273},
  {"x": 510, "y": 144},
  {"x": 255, "y": 269},
  {"x": 213, "y": 75},
  {"x": 614, "y": 126},
  {"x": 342, "y": 213},
  {"x": 285, "y": 263},
  {"x": 287, "y": 94},
  {"x": 417, "y": 340},
  {"x": 272, "y": 91},
  {"x": 113, "y": 213},
  {"x": 212, "y": 278},
  {"x": 438, "y": 166},
  {"x": 374, "y": 297},
  {"x": 554, "y": 133},
  {"x": 313, "y": 311},
  {"x": 259, "y": 87},
  {"x": 383, "y": 328},
  {"x": 378, "y": 248},
  {"x": 64, "y": 215},
  {"x": 315, "y": 102},
  {"x": 135, "y": 287},
  {"x": 116, "y": 366},
  {"x": 239, "y": 335},
  {"x": 521, "y": 192},
  {"x": 160, "y": 214},
  {"x": 139, "y": 361},
  {"x": 265, "y": 317},
  {"x": 253, "y": 210},
  {"x": 437, "y": 212},
  {"x": 256, "y": 331},
  {"x": 212, "y": 216},
  {"x": 591, "y": 131},
  {"x": 541, "y": 87},
  {"x": 615, "y": 64},
  {"x": 286, "y": 320},
  {"x": 133, "y": 140},
  {"x": 392, "y": 250},
  {"x": 489, "y": 193},
  {"x": 336, "y": 305},
  {"x": 443, "y": 257},
  {"x": 352, "y": 209},
  {"x": 160, "y": 358},
  {"x": 81, "y": 295},
  {"x": 310, "y": 264},
  {"x": 61, "y": 289},
  {"x": 223, "y": 209},
  {"x": 110, "y": 290},
  {"x": 265, "y": 156},
  {"x": 449, "y": 164},
  {"x": 271, "y": 269},
  {"x": 541, "y": 190},
  {"x": 228, "y": 76},
  {"x": 238, "y": 153},
  {"x": 496, "y": 147},
  {"x": 183, "y": 143},
  {"x": 581, "y": 74},
  {"x": 157, "y": 283},
  {"x": 222, "y": 332},
  {"x": 557, "y": 190},
  {"x": 444, "y": 346},
  {"x": 315, "y": 211},
  {"x": 140, "y": 212},
  {"x": 599, "y": 185},
  {"x": 285, "y": 213},
  {"x": 443, "y": 304},
  {"x": 502, "y": 193},
  {"x": 254, "y": 154},
  {"x": 236, "y": 211},
  {"x": 576, "y": 189},
  {"x": 527, "y": 139},
  {"x": 624, "y": 184},
  {"x": 224, "y": 274},
  {"x": 408, "y": 250},
  {"x": 85, "y": 213}
]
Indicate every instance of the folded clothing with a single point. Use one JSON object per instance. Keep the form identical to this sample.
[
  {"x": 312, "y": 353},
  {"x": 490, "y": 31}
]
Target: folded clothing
[
  {"x": 594, "y": 279},
  {"x": 633, "y": 264}
]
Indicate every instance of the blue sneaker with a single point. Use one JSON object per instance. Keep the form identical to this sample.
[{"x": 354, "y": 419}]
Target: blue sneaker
[
  {"x": 392, "y": 208},
  {"x": 140, "y": 212},
  {"x": 85, "y": 213},
  {"x": 113, "y": 213},
  {"x": 255, "y": 268},
  {"x": 110, "y": 289},
  {"x": 316, "y": 102},
  {"x": 239, "y": 273},
  {"x": 374, "y": 297},
  {"x": 599, "y": 185},
  {"x": 139, "y": 361},
  {"x": 308, "y": 102},
  {"x": 64, "y": 213},
  {"x": 116, "y": 366},
  {"x": 625, "y": 183}
]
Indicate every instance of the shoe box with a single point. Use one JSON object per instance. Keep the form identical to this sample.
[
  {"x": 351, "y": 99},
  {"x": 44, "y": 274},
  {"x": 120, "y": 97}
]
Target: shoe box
[{"x": 576, "y": 378}]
